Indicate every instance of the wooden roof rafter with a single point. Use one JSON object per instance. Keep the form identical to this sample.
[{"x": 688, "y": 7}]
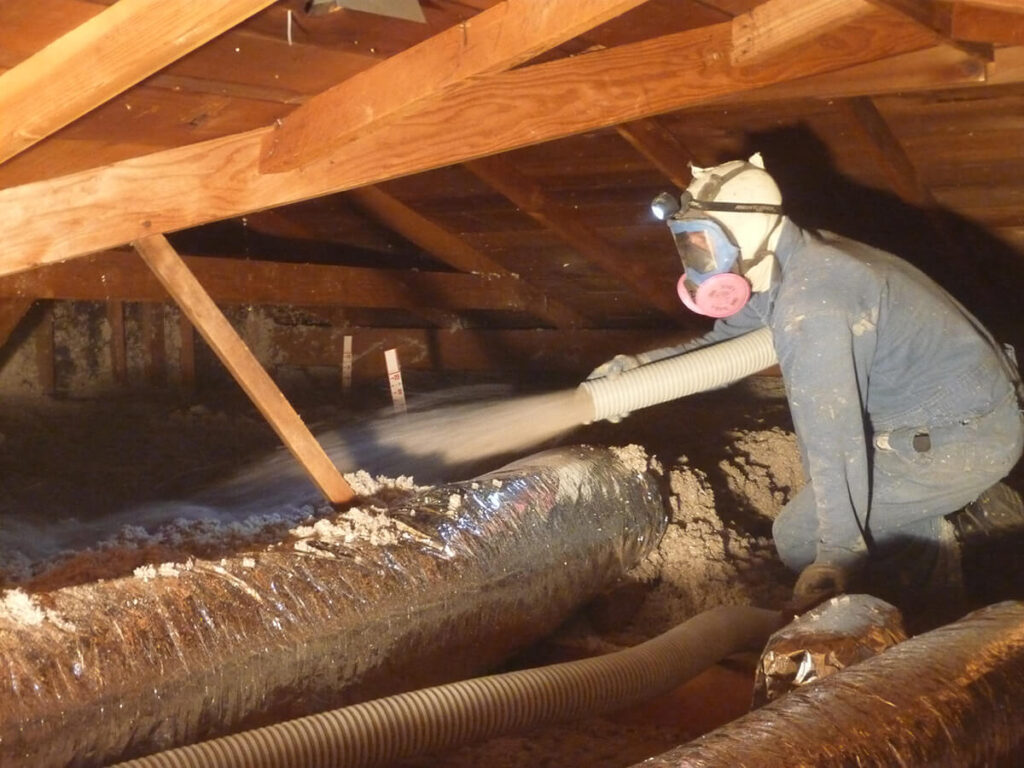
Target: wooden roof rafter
[
  {"x": 665, "y": 152},
  {"x": 61, "y": 218},
  {"x": 999, "y": 22},
  {"x": 66, "y": 79},
  {"x": 494, "y": 40},
  {"x": 774, "y": 28},
  {"x": 933, "y": 17},
  {"x": 456, "y": 252},
  {"x": 118, "y": 276},
  {"x": 194, "y": 301},
  {"x": 530, "y": 197}
]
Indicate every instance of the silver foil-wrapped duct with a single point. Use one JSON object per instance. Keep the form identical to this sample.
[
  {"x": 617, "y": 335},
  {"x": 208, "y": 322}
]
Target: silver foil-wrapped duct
[
  {"x": 837, "y": 634},
  {"x": 468, "y": 574},
  {"x": 950, "y": 697}
]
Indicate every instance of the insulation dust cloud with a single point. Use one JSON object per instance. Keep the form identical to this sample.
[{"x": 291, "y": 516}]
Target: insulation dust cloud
[{"x": 263, "y": 501}]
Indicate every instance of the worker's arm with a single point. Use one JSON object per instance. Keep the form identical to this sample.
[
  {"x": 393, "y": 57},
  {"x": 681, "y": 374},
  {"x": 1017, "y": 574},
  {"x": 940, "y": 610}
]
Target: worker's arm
[{"x": 744, "y": 321}]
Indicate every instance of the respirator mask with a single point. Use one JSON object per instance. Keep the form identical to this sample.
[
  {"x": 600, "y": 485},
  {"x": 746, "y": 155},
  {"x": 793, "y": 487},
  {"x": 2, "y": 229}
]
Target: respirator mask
[{"x": 718, "y": 240}]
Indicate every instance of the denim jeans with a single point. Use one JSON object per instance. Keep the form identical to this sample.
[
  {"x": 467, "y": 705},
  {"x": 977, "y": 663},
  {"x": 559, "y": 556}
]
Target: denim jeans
[{"x": 912, "y": 487}]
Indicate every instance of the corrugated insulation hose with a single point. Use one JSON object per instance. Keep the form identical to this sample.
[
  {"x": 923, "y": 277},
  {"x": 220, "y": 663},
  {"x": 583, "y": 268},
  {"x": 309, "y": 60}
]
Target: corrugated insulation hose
[
  {"x": 446, "y": 716},
  {"x": 707, "y": 368}
]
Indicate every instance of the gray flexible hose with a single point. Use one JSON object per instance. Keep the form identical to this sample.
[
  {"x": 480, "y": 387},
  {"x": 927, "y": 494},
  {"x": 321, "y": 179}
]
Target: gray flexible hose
[
  {"x": 701, "y": 370},
  {"x": 447, "y": 716}
]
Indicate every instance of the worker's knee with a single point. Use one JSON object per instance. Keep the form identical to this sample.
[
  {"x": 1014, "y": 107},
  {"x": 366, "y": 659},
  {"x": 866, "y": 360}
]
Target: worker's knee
[{"x": 795, "y": 531}]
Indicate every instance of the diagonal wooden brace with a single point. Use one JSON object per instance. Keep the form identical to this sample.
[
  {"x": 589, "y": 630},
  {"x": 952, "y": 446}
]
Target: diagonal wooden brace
[{"x": 197, "y": 305}]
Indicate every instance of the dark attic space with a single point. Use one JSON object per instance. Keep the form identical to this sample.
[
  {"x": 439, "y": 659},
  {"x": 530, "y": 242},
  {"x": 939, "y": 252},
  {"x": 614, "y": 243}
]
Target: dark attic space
[{"x": 448, "y": 383}]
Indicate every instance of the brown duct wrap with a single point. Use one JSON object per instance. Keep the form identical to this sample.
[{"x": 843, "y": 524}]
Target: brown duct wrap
[
  {"x": 837, "y": 634},
  {"x": 463, "y": 576},
  {"x": 950, "y": 697}
]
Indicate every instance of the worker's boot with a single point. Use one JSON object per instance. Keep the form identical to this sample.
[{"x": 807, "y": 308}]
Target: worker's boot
[
  {"x": 997, "y": 512},
  {"x": 990, "y": 531}
]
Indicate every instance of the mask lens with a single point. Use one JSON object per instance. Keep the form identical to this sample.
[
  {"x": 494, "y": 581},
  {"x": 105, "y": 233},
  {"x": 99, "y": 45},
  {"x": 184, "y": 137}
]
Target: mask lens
[{"x": 703, "y": 246}]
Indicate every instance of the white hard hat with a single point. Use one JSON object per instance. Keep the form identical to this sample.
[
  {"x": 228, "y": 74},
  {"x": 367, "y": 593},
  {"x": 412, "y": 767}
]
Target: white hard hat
[{"x": 748, "y": 184}]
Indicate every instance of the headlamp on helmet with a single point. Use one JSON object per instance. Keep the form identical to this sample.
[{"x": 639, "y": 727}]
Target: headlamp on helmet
[{"x": 704, "y": 229}]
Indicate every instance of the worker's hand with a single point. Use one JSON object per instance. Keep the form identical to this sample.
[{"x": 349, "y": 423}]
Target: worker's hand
[
  {"x": 816, "y": 584},
  {"x": 615, "y": 366},
  {"x": 611, "y": 369}
]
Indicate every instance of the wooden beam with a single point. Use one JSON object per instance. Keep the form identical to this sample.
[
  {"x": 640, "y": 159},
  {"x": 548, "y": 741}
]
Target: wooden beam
[
  {"x": 1010, "y": 6},
  {"x": 877, "y": 138},
  {"x": 107, "y": 54},
  {"x": 11, "y": 313},
  {"x": 925, "y": 71},
  {"x": 501, "y": 37},
  {"x": 118, "y": 276},
  {"x": 935, "y": 18},
  {"x": 456, "y": 252},
  {"x": 84, "y": 212},
  {"x": 527, "y": 195},
  {"x": 777, "y": 27},
  {"x": 665, "y": 152},
  {"x": 196, "y": 303},
  {"x": 982, "y": 22}
]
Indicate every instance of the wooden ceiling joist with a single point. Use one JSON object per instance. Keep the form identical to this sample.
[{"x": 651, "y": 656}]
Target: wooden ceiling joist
[
  {"x": 453, "y": 250},
  {"x": 935, "y": 18},
  {"x": 118, "y": 276},
  {"x": 196, "y": 304},
  {"x": 665, "y": 152},
  {"x": 501, "y": 37},
  {"x": 528, "y": 196},
  {"x": 99, "y": 59},
  {"x": 777, "y": 27},
  {"x": 988, "y": 21},
  {"x": 60, "y": 218},
  {"x": 881, "y": 143},
  {"x": 937, "y": 68}
]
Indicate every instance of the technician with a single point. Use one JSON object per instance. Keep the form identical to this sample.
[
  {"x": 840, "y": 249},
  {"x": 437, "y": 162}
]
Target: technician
[{"x": 904, "y": 407}]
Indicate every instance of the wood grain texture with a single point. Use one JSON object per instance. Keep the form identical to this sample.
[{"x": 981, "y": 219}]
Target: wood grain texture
[
  {"x": 665, "y": 152},
  {"x": 99, "y": 59},
  {"x": 935, "y": 18},
  {"x": 532, "y": 200},
  {"x": 215, "y": 329},
  {"x": 777, "y": 27},
  {"x": 988, "y": 24},
  {"x": 57, "y": 219},
  {"x": 456, "y": 252},
  {"x": 501, "y": 37},
  {"x": 118, "y": 276}
]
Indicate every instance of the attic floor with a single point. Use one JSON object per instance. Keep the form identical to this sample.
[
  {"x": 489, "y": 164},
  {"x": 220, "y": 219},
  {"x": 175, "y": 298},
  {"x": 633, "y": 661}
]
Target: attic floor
[{"x": 75, "y": 470}]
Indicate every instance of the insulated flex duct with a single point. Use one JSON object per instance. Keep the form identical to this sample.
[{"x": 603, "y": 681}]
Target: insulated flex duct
[
  {"x": 469, "y": 573},
  {"x": 950, "y": 697}
]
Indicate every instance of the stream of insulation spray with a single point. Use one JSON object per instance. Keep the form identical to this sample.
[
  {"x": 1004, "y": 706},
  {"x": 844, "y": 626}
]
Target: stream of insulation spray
[
  {"x": 427, "y": 445},
  {"x": 430, "y": 444}
]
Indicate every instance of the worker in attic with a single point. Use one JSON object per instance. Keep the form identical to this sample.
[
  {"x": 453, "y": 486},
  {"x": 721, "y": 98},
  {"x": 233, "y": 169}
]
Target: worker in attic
[{"x": 907, "y": 411}]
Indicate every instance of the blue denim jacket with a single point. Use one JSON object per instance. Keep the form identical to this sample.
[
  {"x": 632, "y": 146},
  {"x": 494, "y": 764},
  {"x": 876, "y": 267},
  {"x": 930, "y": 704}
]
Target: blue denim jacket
[{"x": 867, "y": 344}]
